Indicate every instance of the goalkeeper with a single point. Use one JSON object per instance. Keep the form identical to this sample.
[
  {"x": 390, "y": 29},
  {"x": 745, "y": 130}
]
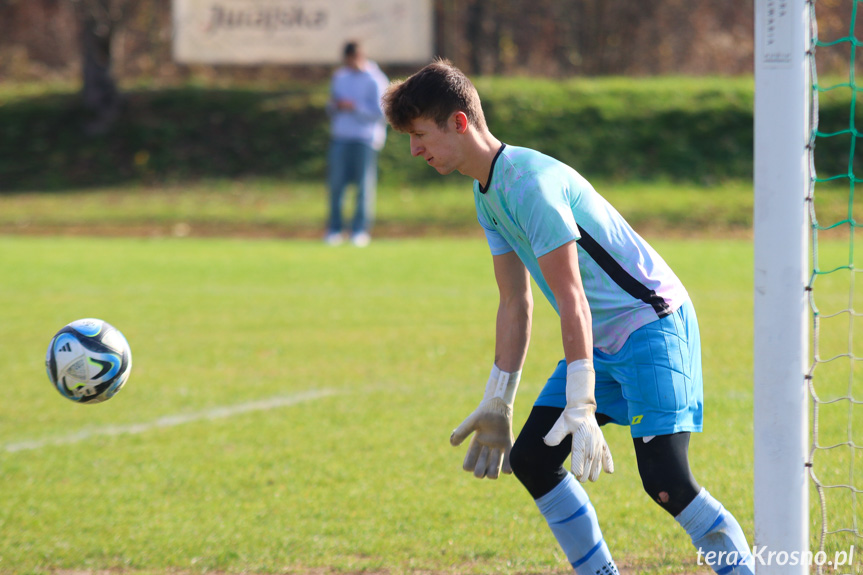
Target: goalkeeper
[{"x": 630, "y": 336}]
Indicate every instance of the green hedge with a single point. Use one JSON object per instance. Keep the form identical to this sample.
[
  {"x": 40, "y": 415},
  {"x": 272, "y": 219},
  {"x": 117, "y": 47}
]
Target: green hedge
[
  {"x": 623, "y": 128},
  {"x": 686, "y": 129}
]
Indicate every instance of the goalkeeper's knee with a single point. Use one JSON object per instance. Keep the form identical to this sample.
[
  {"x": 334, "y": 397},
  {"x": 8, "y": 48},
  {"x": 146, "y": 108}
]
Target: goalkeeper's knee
[
  {"x": 663, "y": 463},
  {"x": 536, "y": 465}
]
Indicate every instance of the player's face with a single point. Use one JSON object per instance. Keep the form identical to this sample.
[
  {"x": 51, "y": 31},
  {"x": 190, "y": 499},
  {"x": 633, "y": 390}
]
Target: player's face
[{"x": 437, "y": 146}]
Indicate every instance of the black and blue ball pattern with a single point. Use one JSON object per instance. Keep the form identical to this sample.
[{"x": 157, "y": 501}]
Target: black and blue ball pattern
[{"x": 88, "y": 361}]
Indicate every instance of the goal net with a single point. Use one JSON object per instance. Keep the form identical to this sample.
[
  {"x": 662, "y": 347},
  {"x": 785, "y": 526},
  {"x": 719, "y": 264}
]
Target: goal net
[{"x": 834, "y": 291}]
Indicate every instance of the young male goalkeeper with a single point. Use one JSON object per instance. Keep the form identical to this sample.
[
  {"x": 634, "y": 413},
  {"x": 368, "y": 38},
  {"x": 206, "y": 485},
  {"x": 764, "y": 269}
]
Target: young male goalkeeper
[{"x": 629, "y": 331}]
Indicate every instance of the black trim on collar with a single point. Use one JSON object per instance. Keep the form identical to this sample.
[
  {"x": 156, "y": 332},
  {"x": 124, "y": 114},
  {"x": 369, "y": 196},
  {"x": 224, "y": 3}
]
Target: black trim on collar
[{"x": 484, "y": 189}]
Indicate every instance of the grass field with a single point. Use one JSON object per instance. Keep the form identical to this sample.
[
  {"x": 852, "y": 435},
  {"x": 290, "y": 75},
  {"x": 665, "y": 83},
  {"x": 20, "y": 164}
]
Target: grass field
[
  {"x": 276, "y": 208},
  {"x": 290, "y": 404},
  {"x": 289, "y": 409}
]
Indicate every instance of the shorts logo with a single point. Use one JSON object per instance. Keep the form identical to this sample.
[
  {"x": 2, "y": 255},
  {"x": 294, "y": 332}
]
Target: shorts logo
[{"x": 636, "y": 420}]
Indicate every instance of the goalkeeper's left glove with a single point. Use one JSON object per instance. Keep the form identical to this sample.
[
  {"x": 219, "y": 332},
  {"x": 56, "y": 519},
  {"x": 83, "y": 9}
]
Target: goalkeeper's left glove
[
  {"x": 488, "y": 452},
  {"x": 590, "y": 453}
]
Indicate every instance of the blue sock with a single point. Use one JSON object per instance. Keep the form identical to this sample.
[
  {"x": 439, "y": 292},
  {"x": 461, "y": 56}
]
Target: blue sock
[
  {"x": 573, "y": 521},
  {"x": 718, "y": 537}
]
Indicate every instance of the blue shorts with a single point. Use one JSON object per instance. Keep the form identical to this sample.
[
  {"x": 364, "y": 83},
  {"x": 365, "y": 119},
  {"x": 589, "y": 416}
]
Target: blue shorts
[{"x": 653, "y": 384}]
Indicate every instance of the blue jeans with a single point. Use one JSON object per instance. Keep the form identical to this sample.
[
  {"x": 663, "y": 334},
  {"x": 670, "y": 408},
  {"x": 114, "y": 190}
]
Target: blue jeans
[{"x": 352, "y": 163}]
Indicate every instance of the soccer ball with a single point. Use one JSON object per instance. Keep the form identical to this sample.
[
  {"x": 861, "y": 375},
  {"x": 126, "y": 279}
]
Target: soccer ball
[{"x": 88, "y": 361}]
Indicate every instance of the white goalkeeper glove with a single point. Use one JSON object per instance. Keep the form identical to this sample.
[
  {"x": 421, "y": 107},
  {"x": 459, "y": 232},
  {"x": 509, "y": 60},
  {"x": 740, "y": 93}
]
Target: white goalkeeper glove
[
  {"x": 491, "y": 424},
  {"x": 590, "y": 453}
]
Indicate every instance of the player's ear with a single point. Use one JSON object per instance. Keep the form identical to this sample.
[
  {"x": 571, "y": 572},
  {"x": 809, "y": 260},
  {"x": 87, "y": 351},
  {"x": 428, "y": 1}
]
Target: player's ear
[{"x": 461, "y": 122}]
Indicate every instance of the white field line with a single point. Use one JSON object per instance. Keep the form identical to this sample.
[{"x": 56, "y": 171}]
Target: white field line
[{"x": 170, "y": 420}]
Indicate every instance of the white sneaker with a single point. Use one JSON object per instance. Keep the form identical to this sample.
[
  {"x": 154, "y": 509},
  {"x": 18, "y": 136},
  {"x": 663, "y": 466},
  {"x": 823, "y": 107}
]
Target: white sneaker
[
  {"x": 333, "y": 239},
  {"x": 361, "y": 239}
]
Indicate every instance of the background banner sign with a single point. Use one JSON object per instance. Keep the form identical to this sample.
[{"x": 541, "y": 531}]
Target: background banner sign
[{"x": 300, "y": 31}]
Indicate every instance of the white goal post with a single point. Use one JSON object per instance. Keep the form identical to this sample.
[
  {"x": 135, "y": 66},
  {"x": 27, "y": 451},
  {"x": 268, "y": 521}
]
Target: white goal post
[{"x": 781, "y": 179}]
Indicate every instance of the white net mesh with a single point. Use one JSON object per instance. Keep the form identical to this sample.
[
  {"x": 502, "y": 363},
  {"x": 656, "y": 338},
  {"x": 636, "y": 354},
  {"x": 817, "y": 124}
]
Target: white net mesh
[{"x": 836, "y": 389}]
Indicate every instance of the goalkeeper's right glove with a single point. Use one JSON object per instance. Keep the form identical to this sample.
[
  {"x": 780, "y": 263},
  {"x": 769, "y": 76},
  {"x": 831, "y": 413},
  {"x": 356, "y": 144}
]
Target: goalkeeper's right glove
[
  {"x": 590, "y": 452},
  {"x": 488, "y": 452}
]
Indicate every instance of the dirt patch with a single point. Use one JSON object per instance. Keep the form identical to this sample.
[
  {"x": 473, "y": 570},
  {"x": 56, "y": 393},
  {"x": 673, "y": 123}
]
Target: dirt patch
[
  {"x": 255, "y": 231},
  {"x": 209, "y": 230}
]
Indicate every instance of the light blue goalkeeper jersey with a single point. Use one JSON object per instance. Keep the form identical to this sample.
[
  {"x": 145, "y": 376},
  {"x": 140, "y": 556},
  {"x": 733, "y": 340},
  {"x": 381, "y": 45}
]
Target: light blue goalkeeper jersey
[{"x": 534, "y": 204}]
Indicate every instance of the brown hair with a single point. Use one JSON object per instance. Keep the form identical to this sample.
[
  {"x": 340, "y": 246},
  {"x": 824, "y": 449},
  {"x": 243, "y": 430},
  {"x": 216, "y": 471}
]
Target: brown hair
[
  {"x": 351, "y": 49},
  {"x": 436, "y": 92}
]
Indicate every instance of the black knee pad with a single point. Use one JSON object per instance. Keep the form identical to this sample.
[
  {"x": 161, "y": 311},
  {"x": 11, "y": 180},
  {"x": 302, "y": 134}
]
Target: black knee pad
[
  {"x": 536, "y": 465},
  {"x": 663, "y": 464}
]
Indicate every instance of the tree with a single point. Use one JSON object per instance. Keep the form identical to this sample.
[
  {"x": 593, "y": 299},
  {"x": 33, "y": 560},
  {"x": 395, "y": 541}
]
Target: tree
[{"x": 98, "y": 21}]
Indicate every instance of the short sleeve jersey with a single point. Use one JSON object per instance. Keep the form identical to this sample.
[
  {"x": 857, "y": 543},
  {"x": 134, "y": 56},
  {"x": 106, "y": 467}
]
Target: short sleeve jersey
[{"x": 534, "y": 204}]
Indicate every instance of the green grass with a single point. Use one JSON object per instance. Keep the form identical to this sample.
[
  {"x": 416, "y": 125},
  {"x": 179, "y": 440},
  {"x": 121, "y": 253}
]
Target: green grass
[
  {"x": 400, "y": 334},
  {"x": 223, "y": 207},
  {"x": 280, "y": 208},
  {"x": 396, "y": 339},
  {"x": 269, "y": 207},
  {"x": 393, "y": 342}
]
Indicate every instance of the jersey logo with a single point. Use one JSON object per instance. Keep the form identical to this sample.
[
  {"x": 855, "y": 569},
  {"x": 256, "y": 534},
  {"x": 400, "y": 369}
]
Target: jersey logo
[{"x": 636, "y": 420}]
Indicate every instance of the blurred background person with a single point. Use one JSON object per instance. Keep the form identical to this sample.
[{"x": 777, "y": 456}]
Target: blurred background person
[{"x": 357, "y": 134}]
